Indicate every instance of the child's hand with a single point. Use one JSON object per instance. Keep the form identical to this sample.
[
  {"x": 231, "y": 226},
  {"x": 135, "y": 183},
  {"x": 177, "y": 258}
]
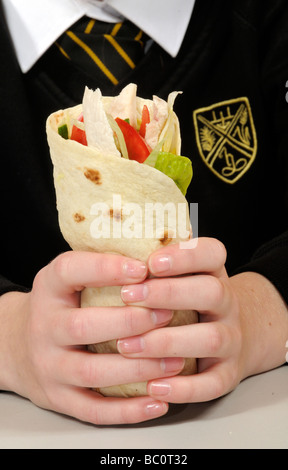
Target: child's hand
[
  {"x": 44, "y": 333},
  {"x": 242, "y": 329}
]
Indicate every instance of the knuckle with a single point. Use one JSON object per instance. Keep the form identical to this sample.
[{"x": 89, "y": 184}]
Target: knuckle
[
  {"x": 224, "y": 382},
  {"x": 101, "y": 267},
  {"x": 77, "y": 326},
  {"x": 216, "y": 339},
  {"x": 61, "y": 265},
  {"x": 88, "y": 373},
  {"x": 169, "y": 291},
  {"x": 39, "y": 280},
  {"x": 166, "y": 345},
  {"x": 92, "y": 412},
  {"x": 107, "y": 266},
  {"x": 222, "y": 340},
  {"x": 143, "y": 369},
  {"x": 139, "y": 369},
  {"x": 216, "y": 290},
  {"x": 233, "y": 377},
  {"x": 218, "y": 386},
  {"x": 130, "y": 320},
  {"x": 219, "y": 250}
]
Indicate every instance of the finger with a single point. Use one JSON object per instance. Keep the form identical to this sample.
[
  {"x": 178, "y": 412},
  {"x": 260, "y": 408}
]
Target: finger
[
  {"x": 89, "y": 406},
  {"x": 72, "y": 271},
  {"x": 201, "y": 340},
  {"x": 205, "y": 255},
  {"x": 85, "y": 369},
  {"x": 94, "y": 325},
  {"x": 213, "y": 383},
  {"x": 203, "y": 293}
]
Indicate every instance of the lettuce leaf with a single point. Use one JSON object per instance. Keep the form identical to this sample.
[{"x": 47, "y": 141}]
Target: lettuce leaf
[{"x": 175, "y": 166}]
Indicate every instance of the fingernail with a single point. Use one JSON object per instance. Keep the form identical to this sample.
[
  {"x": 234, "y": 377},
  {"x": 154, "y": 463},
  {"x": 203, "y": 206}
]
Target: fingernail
[
  {"x": 161, "y": 317},
  {"x": 130, "y": 345},
  {"x": 134, "y": 293},
  {"x": 160, "y": 388},
  {"x": 156, "y": 409},
  {"x": 134, "y": 269},
  {"x": 160, "y": 263},
  {"x": 172, "y": 364}
]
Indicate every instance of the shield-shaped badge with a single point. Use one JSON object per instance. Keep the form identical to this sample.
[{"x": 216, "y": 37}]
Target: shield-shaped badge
[{"x": 226, "y": 138}]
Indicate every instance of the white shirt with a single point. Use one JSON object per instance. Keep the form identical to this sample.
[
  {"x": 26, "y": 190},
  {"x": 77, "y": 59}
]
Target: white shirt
[{"x": 35, "y": 24}]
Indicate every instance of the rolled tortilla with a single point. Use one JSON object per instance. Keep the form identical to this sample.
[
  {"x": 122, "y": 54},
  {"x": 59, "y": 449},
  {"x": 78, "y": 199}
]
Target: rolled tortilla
[{"x": 109, "y": 204}]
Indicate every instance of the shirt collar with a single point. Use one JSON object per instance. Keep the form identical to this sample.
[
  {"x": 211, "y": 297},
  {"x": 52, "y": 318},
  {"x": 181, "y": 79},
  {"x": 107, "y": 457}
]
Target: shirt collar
[{"x": 36, "y": 25}]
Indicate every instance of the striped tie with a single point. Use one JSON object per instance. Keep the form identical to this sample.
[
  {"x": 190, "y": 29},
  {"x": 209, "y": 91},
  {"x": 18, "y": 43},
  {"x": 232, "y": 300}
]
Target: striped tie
[{"x": 107, "y": 52}]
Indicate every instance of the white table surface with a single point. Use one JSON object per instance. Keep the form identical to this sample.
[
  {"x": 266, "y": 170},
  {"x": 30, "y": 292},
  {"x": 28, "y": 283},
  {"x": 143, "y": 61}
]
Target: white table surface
[{"x": 255, "y": 415}]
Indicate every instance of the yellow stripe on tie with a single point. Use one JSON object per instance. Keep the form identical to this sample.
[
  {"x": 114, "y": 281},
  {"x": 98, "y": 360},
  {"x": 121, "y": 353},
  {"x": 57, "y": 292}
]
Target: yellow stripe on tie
[
  {"x": 116, "y": 29},
  {"x": 89, "y": 26},
  {"x": 62, "y": 51},
  {"x": 93, "y": 56},
  {"x": 120, "y": 51},
  {"x": 139, "y": 35}
]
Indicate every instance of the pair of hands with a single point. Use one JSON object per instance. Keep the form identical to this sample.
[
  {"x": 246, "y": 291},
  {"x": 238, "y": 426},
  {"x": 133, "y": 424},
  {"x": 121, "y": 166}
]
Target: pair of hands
[{"x": 49, "y": 364}]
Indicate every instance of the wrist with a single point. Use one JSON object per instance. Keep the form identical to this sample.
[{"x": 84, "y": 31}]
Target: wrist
[
  {"x": 12, "y": 315},
  {"x": 264, "y": 323}
]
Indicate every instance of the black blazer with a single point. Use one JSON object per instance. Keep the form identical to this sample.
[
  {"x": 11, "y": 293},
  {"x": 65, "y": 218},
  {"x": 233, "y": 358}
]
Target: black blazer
[{"x": 232, "y": 69}]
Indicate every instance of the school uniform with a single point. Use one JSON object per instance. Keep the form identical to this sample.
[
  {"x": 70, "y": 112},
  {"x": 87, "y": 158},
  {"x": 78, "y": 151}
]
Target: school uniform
[{"x": 232, "y": 68}]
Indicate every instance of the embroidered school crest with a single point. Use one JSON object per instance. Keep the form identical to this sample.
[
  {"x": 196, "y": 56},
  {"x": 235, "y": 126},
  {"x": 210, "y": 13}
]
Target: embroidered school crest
[{"x": 226, "y": 138}]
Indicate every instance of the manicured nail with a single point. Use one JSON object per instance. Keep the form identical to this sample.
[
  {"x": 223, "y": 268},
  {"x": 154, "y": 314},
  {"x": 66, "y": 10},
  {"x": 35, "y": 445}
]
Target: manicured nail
[
  {"x": 172, "y": 364},
  {"x": 134, "y": 293},
  {"x": 156, "y": 408},
  {"x": 160, "y": 263},
  {"x": 161, "y": 317},
  {"x": 160, "y": 388},
  {"x": 130, "y": 345},
  {"x": 134, "y": 269}
]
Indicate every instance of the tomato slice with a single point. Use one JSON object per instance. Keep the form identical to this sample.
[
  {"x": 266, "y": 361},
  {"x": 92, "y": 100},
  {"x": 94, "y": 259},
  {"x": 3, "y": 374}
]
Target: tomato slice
[
  {"x": 136, "y": 147},
  {"x": 79, "y": 134},
  {"x": 144, "y": 121}
]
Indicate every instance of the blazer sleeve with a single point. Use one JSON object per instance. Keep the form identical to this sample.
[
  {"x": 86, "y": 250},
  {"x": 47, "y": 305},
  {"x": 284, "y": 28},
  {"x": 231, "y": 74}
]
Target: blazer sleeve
[{"x": 271, "y": 259}]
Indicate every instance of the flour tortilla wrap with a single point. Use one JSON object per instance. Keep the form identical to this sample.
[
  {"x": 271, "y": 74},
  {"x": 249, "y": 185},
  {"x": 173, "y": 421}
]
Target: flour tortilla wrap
[{"x": 102, "y": 202}]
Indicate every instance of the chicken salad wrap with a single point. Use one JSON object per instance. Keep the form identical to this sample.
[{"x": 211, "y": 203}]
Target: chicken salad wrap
[{"x": 120, "y": 183}]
